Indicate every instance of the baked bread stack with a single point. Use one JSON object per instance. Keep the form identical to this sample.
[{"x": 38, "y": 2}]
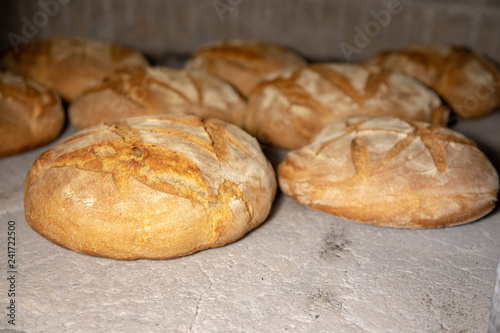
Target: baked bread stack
[
  {"x": 30, "y": 115},
  {"x": 469, "y": 82},
  {"x": 150, "y": 187},
  {"x": 243, "y": 63},
  {"x": 386, "y": 171},
  {"x": 291, "y": 106},
  {"x": 134, "y": 91},
  {"x": 69, "y": 65}
]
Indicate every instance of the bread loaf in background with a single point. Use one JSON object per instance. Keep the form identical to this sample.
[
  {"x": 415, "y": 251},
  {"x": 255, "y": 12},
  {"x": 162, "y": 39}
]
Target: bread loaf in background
[
  {"x": 150, "y": 187},
  {"x": 468, "y": 81},
  {"x": 69, "y": 65},
  {"x": 390, "y": 172},
  {"x": 30, "y": 115},
  {"x": 291, "y": 106},
  {"x": 136, "y": 90},
  {"x": 242, "y": 62}
]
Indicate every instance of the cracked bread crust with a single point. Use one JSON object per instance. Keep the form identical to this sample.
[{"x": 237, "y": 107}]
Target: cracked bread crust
[
  {"x": 135, "y": 91},
  {"x": 69, "y": 65},
  {"x": 243, "y": 63},
  {"x": 152, "y": 187},
  {"x": 30, "y": 115},
  {"x": 469, "y": 82},
  {"x": 389, "y": 172},
  {"x": 291, "y": 106}
]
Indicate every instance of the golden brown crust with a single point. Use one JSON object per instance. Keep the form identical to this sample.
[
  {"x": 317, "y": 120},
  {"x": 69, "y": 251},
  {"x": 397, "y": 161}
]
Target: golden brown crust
[
  {"x": 291, "y": 106},
  {"x": 30, "y": 115},
  {"x": 69, "y": 65},
  {"x": 150, "y": 187},
  {"x": 466, "y": 80},
  {"x": 243, "y": 63},
  {"x": 391, "y": 172},
  {"x": 134, "y": 91}
]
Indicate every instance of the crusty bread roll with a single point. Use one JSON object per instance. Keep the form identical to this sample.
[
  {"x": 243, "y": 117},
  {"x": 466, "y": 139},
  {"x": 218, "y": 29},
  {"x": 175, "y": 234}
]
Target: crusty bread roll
[
  {"x": 389, "y": 172},
  {"x": 150, "y": 187},
  {"x": 291, "y": 106},
  {"x": 30, "y": 115},
  {"x": 134, "y": 91},
  {"x": 69, "y": 65},
  {"x": 242, "y": 62},
  {"x": 469, "y": 82}
]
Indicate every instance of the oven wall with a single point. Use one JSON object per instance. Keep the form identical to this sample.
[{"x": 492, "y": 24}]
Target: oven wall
[{"x": 340, "y": 30}]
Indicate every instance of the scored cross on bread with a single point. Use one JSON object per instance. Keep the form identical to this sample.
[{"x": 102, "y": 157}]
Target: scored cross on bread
[
  {"x": 135, "y": 91},
  {"x": 129, "y": 156},
  {"x": 30, "y": 115},
  {"x": 150, "y": 187},
  {"x": 291, "y": 106},
  {"x": 468, "y": 81},
  {"x": 387, "y": 171},
  {"x": 433, "y": 139}
]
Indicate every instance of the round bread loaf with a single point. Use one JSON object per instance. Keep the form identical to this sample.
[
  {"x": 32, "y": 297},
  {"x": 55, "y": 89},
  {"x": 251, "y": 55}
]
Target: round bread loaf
[
  {"x": 150, "y": 187},
  {"x": 69, "y": 65},
  {"x": 389, "y": 172},
  {"x": 30, "y": 115},
  {"x": 291, "y": 106},
  {"x": 242, "y": 62},
  {"x": 134, "y": 91},
  {"x": 469, "y": 82}
]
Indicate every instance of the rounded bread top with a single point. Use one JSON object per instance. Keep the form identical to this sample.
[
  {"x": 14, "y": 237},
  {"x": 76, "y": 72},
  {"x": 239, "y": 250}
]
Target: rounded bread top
[
  {"x": 69, "y": 65},
  {"x": 468, "y": 81},
  {"x": 242, "y": 62},
  {"x": 30, "y": 115},
  {"x": 36, "y": 99},
  {"x": 180, "y": 155},
  {"x": 392, "y": 172},
  {"x": 137, "y": 90},
  {"x": 291, "y": 106}
]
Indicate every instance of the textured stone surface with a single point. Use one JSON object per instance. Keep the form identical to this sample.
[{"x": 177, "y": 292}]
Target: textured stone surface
[
  {"x": 300, "y": 271},
  {"x": 495, "y": 312}
]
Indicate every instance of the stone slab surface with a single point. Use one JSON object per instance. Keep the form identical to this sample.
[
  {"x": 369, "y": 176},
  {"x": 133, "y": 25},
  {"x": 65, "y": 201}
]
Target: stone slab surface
[
  {"x": 495, "y": 312},
  {"x": 301, "y": 271}
]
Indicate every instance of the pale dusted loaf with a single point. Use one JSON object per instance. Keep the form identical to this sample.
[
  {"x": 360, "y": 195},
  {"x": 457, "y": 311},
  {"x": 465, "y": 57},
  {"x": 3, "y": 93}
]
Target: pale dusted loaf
[
  {"x": 389, "y": 172},
  {"x": 69, "y": 65},
  {"x": 30, "y": 115},
  {"x": 468, "y": 81},
  {"x": 135, "y": 91},
  {"x": 242, "y": 62},
  {"x": 291, "y": 106},
  {"x": 150, "y": 187}
]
